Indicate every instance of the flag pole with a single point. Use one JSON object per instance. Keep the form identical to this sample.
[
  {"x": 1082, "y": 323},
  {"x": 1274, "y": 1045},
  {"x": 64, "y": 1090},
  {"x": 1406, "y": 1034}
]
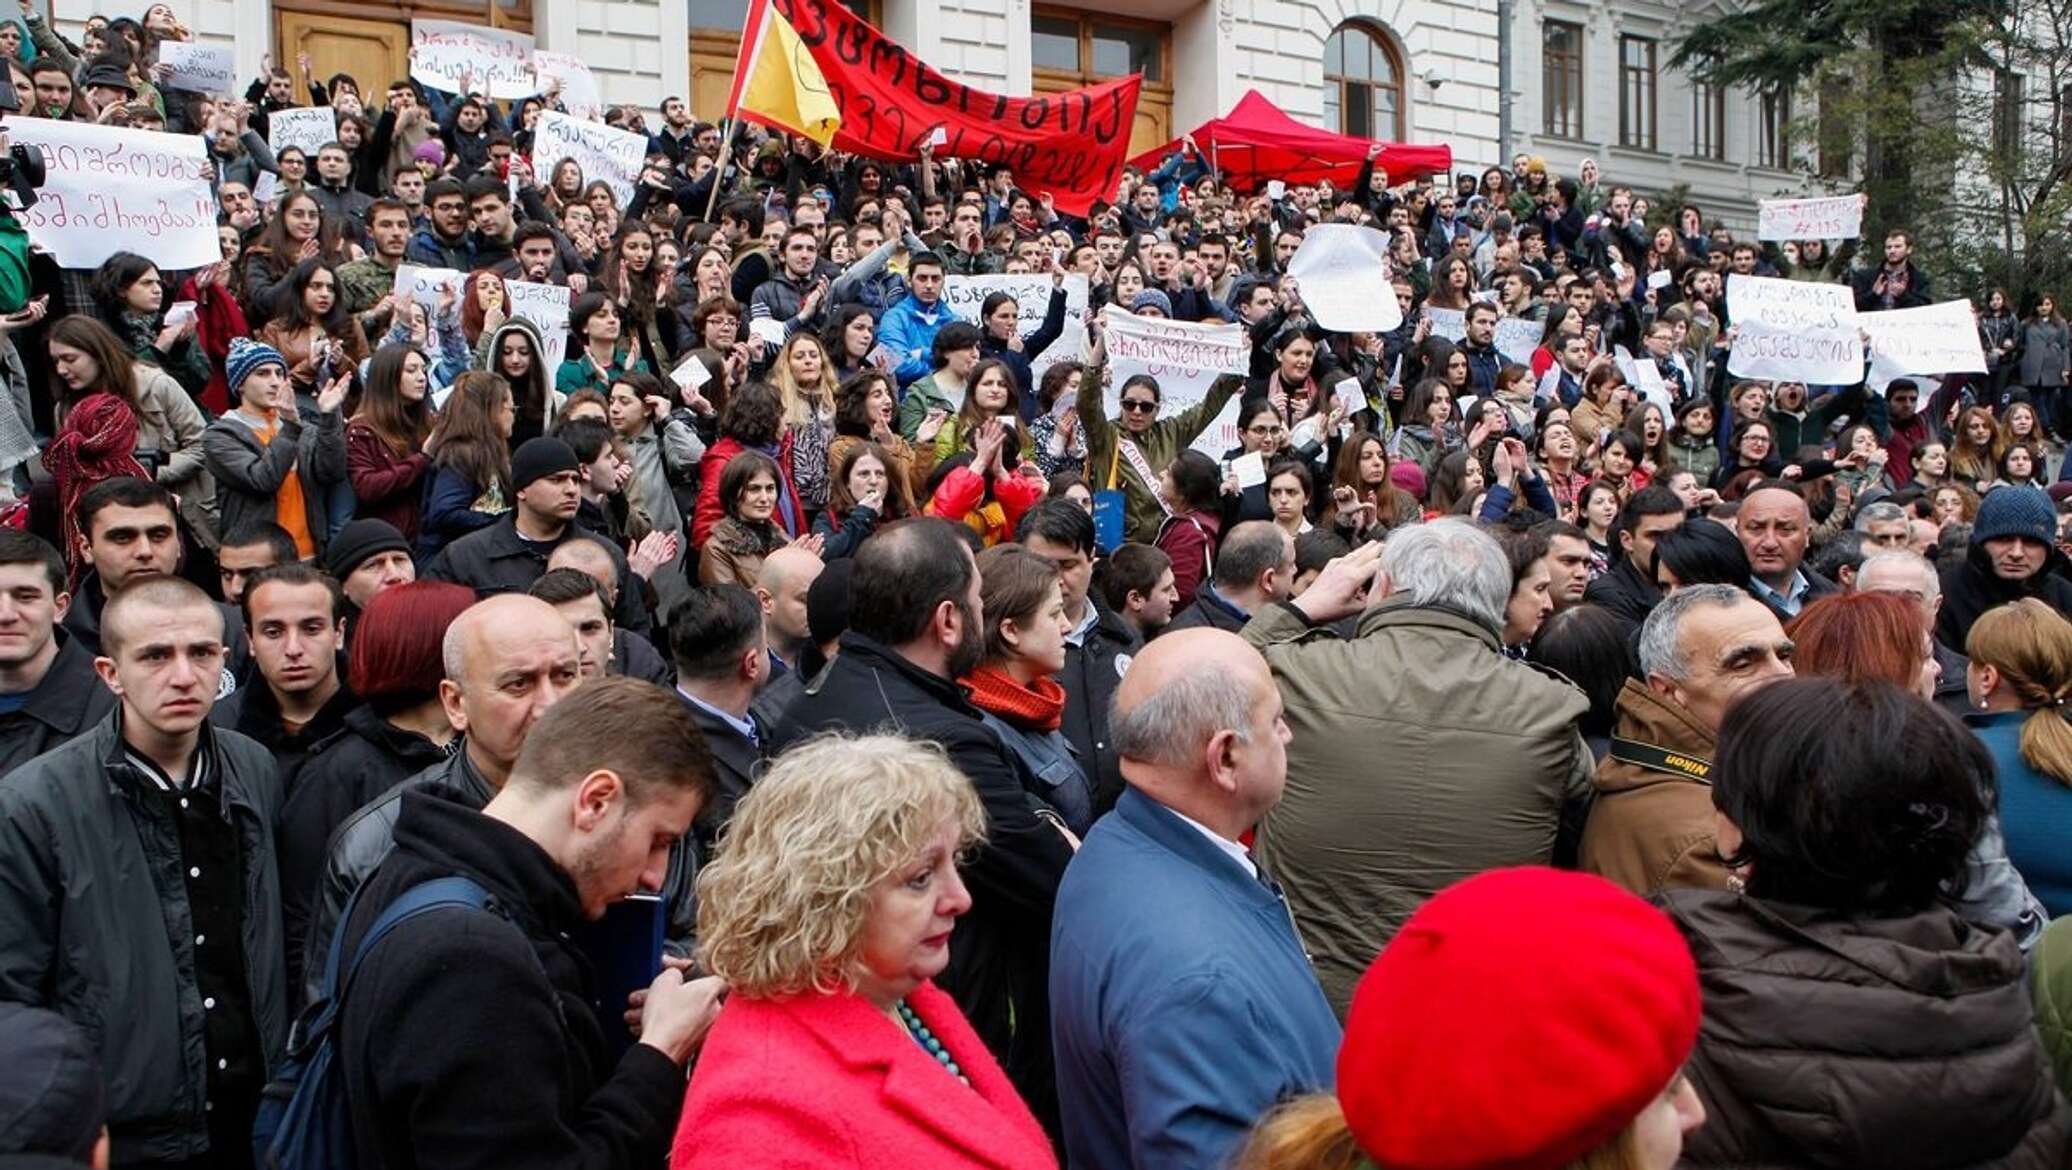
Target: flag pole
[{"x": 719, "y": 173}]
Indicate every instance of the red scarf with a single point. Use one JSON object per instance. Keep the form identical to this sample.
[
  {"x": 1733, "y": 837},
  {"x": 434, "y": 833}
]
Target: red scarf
[
  {"x": 1039, "y": 708},
  {"x": 97, "y": 441}
]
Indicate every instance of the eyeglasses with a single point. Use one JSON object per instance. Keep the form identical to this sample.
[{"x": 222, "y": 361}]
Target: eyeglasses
[
  {"x": 1268, "y": 431},
  {"x": 1139, "y": 406}
]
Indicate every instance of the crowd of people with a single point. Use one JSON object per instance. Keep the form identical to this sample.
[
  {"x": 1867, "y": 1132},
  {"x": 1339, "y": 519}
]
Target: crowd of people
[{"x": 1592, "y": 761}]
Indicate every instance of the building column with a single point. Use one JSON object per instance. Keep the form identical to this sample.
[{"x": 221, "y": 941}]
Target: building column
[
  {"x": 554, "y": 25},
  {"x": 676, "y": 49},
  {"x": 254, "y": 36}
]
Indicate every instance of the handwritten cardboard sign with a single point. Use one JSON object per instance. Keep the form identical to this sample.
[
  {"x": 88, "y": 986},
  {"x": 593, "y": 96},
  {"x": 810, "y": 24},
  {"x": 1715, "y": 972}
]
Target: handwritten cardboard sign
[
  {"x": 443, "y": 51},
  {"x": 1836, "y": 218},
  {"x": 604, "y": 152},
  {"x": 1793, "y": 330},
  {"x": 201, "y": 68},
  {"x": 110, "y": 190}
]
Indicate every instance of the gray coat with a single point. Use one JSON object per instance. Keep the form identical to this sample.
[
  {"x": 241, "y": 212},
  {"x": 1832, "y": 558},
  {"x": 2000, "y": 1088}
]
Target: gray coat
[
  {"x": 95, "y": 925},
  {"x": 249, "y": 475},
  {"x": 2046, "y": 352}
]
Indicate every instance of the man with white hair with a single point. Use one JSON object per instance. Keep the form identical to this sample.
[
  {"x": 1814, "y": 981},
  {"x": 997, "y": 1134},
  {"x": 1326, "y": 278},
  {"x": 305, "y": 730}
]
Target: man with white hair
[
  {"x": 1914, "y": 577},
  {"x": 1651, "y": 827},
  {"x": 1421, "y": 755}
]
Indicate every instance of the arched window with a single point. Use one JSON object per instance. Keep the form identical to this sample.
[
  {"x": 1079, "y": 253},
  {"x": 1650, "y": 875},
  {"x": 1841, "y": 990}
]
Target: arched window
[{"x": 1363, "y": 83}]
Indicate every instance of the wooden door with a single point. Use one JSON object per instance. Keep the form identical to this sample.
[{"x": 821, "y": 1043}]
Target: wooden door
[
  {"x": 374, "y": 52},
  {"x": 713, "y": 53}
]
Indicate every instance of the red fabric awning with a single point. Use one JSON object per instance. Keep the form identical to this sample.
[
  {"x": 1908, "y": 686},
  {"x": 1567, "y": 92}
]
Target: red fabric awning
[{"x": 1256, "y": 142}]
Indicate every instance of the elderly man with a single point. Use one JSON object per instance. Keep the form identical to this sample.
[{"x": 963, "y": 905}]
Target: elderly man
[
  {"x": 1421, "y": 755},
  {"x": 2013, "y": 555},
  {"x": 1651, "y": 827},
  {"x": 1774, "y": 526},
  {"x": 1169, "y": 942},
  {"x": 1913, "y": 577},
  {"x": 1884, "y": 525}
]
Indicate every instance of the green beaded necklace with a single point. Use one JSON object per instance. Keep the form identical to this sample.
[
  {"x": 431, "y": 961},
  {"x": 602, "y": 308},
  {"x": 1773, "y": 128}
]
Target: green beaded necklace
[{"x": 928, "y": 1041}]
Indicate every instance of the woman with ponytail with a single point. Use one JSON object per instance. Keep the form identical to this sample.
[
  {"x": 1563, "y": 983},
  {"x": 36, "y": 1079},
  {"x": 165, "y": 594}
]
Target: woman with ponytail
[
  {"x": 1453, "y": 1061},
  {"x": 2019, "y": 680}
]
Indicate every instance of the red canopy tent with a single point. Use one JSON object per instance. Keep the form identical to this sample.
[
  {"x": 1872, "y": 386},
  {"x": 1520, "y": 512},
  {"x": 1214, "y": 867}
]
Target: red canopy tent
[{"x": 1256, "y": 142}]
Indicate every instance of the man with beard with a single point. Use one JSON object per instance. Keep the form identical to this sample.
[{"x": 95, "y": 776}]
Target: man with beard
[
  {"x": 2012, "y": 556},
  {"x": 914, "y": 629}
]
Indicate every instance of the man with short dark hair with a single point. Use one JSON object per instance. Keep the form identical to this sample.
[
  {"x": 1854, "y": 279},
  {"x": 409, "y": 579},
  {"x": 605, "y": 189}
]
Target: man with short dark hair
[
  {"x": 907, "y": 330},
  {"x": 450, "y": 1004},
  {"x": 1568, "y": 562},
  {"x": 1098, "y": 644},
  {"x": 128, "y": 531},
  {"x": 1136, "y": 581},
  {"x": 248, "y": 550},
  {"x": 632, "y": 655},
  {"x": 443, "y": 240},
  {"x": 138, "y": 895},
  {"x": 509, "y": 555},
  {"x": 368, "y": 285},
  {"x": 293, "y": 617},
  {"x": 1480, "y": 347},
  {"x": 333, "y": 189},
  {"x": 582, "y": 603},
  {"x": 716, "y": 634},
  {"x": 1629, "y": 589},
  {"x": 1254, "y": 568},
  {"x": 794, "y": 294},
  {"x": 48, "y": 689},
  {"x": 915, "y": 627}
]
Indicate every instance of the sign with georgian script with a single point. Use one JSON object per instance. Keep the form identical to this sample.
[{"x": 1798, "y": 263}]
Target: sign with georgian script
[
  {"x": 497, "y": 60},
  {"x": 966, "y": 295},
  {"x": 1836, "y": 218},
  {"x": 306, "y": 128},
  {"x": 546, "y": 306},
  {"x": 110, "y": 190},
  {"x": 197, "y": 67},
  {"x": 604, "y": 152},
  {"x": 1186, "y": 357},
  {"x": 1933, "y": 340},
  {"x": 1069, "y": 146},
  {"x": 1793, "y": 330}
]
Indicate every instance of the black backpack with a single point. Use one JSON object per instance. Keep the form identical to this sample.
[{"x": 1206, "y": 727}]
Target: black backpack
[{"x": 305, "y": 1121}]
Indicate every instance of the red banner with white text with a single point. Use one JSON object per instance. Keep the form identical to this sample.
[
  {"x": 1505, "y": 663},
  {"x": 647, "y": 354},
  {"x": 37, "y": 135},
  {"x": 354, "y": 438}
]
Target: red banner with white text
[{"x": 1070, "y": 146}]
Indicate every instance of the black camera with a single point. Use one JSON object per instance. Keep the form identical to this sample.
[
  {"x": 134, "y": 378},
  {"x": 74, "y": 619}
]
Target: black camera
[{"x": 21, "y": 171}]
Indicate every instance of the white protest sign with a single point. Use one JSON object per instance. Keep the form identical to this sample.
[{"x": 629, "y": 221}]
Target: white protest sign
[
  {"x": 1451, "y": 324},
  {"x": 267, "y": 189},
  {"x": 201, "y": 68},
  {"x": 1837, "y": 218},
  {"x": 691, "y": 375},
  {"x": 603, "y": 152},
  {"x": 1793, "y": 330},
  {"x": 424, "y": 284},
  {"x": 1933, "y": 339},
  {"x": 579, "y": 92},
  {"x": 1186, "y": 357},
  {"x": 966, "y": 295},
  {"x": 109, "y": 190},
  {"x": 305, "y": 128},
  {"x": 773, "y": 332},
  {"x": 1647, "y": 382},
  {"x": 1249, "y": 470},
  {"x": 1517, "y": 338},
  {"x": 546, "y": 306},
  {"x": 1342, "y": 273},
  {"x": 441, "y": 51},
  {"x": 1660, "y": 278}
]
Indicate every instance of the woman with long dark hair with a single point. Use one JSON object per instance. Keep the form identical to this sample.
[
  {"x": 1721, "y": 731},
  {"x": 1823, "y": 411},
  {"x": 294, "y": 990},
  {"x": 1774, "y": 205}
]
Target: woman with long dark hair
[
  {"x": 385, "y": 439},
  {"x": 752, "y": 421},
  {"x": 734, "y": 550},
  {"x": 866, "y": 411},
  {"x": 130, "y": 297},
  {"x": 470, "y": 449},
  {"x": 1192, "y": 488},
  {"x": 299, "y": 231},
  {"x": 87, "y": 358},
  {"x": 861, "y": 496},
  {"x": 312, "y": 330}
]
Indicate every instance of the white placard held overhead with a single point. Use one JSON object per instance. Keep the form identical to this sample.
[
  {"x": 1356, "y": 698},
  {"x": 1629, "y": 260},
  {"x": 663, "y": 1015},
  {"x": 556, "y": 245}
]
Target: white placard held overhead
[
  {"x": 1837, "y": 218},
  {"x": 604, "y": 152},
  {"x": 546, "y": 306},
  {"x": 1451, "y": 324},
  {"x": 424, "y": 284},
  {"x": 579, "y": 91},
  {"x": 197, "y": 67},
  {"x": 1929, "y": 340},
  {"x": 1793, "y": 330},
  {"x": 966, "y": 295},
  {"x": 443, "y": 51},
  {"x": 1342, "y": 273},
  {"x": 113, "y": 189},
  {"x": 1517, "y": 337},
  {"x": 1186, "y": 357},
  {"x": 306, "y": 128}
]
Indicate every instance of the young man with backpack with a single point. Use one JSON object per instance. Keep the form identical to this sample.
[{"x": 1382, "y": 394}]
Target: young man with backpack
[{"x": 465, "y": 1035}]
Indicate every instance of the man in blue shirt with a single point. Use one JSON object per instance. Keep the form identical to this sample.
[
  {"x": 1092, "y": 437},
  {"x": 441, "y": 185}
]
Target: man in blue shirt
[{"x": 907, "y": 330}]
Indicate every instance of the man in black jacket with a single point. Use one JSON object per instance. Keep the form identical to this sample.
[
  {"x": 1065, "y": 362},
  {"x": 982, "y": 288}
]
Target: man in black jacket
[
  {"x": 914, "y": 629},
  {"x": 716, "y": 634},
  {"x": 1097, "y": 648},
  {"x": 1775, "y": 525},
  {"x": 2013, "y": 555},
  {"x": 1629, "y": 590},
  {"x": 48, "y": 689},
  {"x": 1254, "y": 568},
  {"x": 466, "y": 1039},
  {"x": 293, "y": 615},
  {"x": 137, "y": 890},
  {"x": 509, "y": 555}
]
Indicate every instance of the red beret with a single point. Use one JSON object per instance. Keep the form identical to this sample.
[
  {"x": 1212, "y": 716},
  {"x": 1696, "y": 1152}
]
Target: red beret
[{"x": 1520, "y": 1019}]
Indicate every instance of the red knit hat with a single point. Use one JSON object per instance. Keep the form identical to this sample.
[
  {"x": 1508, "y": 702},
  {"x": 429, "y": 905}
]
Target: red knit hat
[{"x": 1518, "y": 1021}]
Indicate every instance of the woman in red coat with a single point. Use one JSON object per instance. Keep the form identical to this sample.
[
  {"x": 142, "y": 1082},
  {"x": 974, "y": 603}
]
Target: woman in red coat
[
  {"x": 753, "y": 420},
  {"x": 828, "y": 914}
]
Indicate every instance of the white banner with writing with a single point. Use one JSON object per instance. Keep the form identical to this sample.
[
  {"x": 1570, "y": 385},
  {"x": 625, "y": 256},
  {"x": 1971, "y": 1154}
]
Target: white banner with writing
[
  {"x": 306, "y": 128},
  {"x": 497, "y": 60},
  {"x": 201, "y": 68},
  {"x": 1517, "y": 338},
  {"x": 965, "y": 295},
  {"x": 110, "y": 190},
  {"x": 579, "y": 89},
  {"x": 546, "y": 306},
  {"x": 604, "y": 152},
  {"x": 1793, "y": 330},
  {"x": 1933, "y": 339},
  {"x": 1342, "y": 274},
  {"x": 1451, "y": 324},
  {"x": 1837, "y": 218},
  {"x": 1186, "y": 357}
]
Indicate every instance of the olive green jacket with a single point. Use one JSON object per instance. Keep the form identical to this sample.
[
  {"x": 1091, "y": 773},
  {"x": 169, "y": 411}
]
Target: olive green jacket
[{"x": 1161, "y": 444}]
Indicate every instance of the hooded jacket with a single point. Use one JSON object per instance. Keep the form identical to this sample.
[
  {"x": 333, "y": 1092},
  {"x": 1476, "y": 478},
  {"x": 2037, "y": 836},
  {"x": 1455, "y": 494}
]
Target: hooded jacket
[
  {"x": 1651, "y": 827},
  {"x": 1846, "y": 1041},
  {"x": 1972, "y": 588}
]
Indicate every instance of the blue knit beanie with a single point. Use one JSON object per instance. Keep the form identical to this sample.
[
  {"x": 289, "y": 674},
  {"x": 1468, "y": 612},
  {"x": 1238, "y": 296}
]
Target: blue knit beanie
[
  {"x": 1152, "y": 297},
  {"x": 247, "y": 355},
  {"x": 2015, "y": 510}
]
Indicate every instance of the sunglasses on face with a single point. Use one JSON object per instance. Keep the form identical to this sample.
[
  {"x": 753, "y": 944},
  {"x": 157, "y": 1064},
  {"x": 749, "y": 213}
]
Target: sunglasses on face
[{"x": 1139, "y": 405}]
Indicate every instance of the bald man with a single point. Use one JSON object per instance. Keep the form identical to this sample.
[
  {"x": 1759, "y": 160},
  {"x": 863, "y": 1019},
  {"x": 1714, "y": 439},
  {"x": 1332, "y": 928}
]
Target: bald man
[
  {"x": 1167, "y": 942},
  {"x": 632, "y": 654},
  {"x": 781, "y": 586},
  {"x": 1774, "y": 526},
  {"x": 507, "y": 659}
]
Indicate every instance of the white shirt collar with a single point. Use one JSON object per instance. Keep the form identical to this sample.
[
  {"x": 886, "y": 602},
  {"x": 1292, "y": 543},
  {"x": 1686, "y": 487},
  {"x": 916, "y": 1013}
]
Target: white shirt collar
[{"x": 1236, "y": 850}]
